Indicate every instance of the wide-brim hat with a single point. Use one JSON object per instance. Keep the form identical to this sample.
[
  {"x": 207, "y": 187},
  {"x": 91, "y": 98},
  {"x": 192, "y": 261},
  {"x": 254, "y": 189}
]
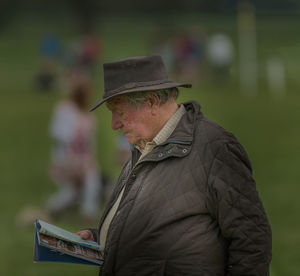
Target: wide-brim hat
[{"x": 135, "y": 74}]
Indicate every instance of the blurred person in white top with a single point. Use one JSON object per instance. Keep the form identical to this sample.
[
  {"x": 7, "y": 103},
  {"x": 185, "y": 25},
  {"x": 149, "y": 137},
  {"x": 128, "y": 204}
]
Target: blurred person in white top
[
  {"x": 74, "y": 167},
  {"x": 220, "y": 54}
]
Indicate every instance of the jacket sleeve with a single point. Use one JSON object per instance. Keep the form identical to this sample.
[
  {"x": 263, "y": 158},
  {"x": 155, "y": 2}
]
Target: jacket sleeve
[{"x": 239, "y": 212}]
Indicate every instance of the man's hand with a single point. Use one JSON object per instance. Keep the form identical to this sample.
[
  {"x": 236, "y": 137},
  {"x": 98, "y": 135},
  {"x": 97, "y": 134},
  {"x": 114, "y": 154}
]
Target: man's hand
[{"x": 86, "y": 235}]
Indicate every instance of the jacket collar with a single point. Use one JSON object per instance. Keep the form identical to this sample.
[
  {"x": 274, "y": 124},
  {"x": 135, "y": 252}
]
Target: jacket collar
[
  {"x": 180, "y": 141},
  {"x": 184, "y": 131}
]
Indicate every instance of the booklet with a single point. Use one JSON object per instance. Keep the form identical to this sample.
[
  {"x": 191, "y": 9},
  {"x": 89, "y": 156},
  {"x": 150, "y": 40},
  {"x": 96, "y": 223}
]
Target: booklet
[{"x": 54, "y": 244}]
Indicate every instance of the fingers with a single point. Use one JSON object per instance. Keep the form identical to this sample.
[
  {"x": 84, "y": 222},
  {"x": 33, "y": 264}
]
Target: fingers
[{"x": 86, "y": 235}]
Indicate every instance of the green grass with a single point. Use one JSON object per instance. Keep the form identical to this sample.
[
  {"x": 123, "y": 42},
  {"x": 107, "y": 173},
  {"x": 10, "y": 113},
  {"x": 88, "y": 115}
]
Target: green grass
[{"x": 267, "y": 127}]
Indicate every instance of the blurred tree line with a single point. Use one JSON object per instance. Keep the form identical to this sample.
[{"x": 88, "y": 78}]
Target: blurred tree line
[
  {"x": 85, "y": 10},
  {"x": 120, "y": 6}
]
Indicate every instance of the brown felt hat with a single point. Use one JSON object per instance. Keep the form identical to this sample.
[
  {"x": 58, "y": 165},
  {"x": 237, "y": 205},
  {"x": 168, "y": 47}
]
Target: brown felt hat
[{"x": 135, "y": 74}]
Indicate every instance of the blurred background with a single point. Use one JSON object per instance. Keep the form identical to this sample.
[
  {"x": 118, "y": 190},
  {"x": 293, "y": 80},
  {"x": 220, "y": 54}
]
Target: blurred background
[{"x": 241, "y": 56}]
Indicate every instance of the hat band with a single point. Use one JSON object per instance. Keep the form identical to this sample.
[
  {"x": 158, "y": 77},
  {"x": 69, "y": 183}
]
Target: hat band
[{"x": 132, "y": 85}]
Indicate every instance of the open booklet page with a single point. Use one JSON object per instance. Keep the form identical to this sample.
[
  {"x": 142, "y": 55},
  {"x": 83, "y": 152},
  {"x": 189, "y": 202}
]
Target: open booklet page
[
  {"x": 54, "y": 231},
  {"x": 71, "y": 249},
  {"x": 64, "y": 243}
]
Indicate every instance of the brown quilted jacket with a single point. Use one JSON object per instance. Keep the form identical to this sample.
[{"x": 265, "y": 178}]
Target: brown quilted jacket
[{"x": 190, "y": 207}]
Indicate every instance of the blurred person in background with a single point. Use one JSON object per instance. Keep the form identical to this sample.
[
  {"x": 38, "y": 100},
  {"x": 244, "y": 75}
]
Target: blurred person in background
[
  {"x": 74, "y": 166},
  {"x": 186, "y": 202},
  {"x": 83, "y": 54},
  {"x": 124, "y": 149},
  {"x": 189, "y": 52},
  {"x": 91, "y": 50},
  {"x": 220, "y": 53},
  {"x": 50, "y": 53}
]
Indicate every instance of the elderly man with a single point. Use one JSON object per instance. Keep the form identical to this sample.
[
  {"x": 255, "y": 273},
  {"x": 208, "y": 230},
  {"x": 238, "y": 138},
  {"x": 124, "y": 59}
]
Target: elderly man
[{"x": 185, "y": 203}]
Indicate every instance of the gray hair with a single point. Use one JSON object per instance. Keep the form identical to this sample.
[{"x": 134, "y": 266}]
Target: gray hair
[{"x": 138, "y": 98}]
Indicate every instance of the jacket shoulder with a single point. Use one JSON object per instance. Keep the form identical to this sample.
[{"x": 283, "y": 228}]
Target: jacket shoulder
[
  {"x": 213, "y": 135},
  {"x": 213, "y": 138}
]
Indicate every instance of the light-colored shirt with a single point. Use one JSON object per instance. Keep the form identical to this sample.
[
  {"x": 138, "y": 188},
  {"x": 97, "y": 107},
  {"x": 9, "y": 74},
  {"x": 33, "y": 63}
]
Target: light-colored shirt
[{"x": 161, "y": 137}]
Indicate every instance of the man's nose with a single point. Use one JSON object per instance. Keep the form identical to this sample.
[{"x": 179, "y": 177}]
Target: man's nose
[{"x": 115, "y": 122}]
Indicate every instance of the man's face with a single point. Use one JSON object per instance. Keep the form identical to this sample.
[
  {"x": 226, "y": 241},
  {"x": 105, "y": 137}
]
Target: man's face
[{"x": 135, "y": 123}]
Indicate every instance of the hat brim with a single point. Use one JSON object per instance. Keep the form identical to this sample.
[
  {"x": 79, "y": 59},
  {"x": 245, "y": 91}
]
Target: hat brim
[{"x": 140, "y": 89}]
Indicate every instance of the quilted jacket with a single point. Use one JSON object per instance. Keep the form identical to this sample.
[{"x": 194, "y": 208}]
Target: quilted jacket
[{"x": 190, "y": 207}]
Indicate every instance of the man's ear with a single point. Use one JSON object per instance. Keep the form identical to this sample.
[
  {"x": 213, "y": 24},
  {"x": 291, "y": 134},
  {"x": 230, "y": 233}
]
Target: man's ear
[{"x": 154, "y": 103}]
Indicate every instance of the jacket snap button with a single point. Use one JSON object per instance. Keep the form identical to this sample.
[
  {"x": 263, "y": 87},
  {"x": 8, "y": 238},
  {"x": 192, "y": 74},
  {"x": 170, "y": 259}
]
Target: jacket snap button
[
  {"x": 184, "y": 151},
  {"x": 118, "y": 213},
  {"x": 169, "y": 151},
  {"x": 160, "y": 154}
]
